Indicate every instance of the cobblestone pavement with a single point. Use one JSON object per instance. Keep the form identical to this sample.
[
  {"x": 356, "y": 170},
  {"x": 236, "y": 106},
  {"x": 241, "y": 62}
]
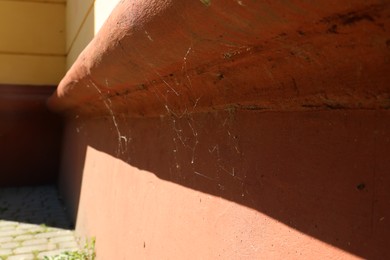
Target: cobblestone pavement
[{"x": 33, "y": 224}]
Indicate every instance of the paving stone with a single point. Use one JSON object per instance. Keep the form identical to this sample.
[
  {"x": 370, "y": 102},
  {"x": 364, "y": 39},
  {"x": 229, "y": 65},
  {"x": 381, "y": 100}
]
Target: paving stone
[
  {"x": 5, "y": 252},
  {"x": 5, "y": 239},
  {"x": 7, "y": 228},
  {"x": 22, "y": 257},
  {"x": 33, "y": 248},
  {"x": 14, "y": 232},
  {"x": 68, "y": 245},
  {"x": 22, "y": 237},
  {"x": 9, "y": 245},
  {"x": 53, "y": 229},
  {"x": 32, "y": 204},
  {"x": 26, "y": 226},
  {"x": 53, "y": 234},
  {"x": 53, "y": 253},
  {"x": 4, "y": 223},
  {"x": 37, "y": 229},
  {"x": 63, "y": 239},
  {"x": 36, "y": 241}
]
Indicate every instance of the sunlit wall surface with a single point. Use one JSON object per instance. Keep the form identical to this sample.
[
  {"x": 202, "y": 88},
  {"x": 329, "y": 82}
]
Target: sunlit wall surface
[
  {"x": 32, "y": 45},
  {"x": 83, "y": 21}
]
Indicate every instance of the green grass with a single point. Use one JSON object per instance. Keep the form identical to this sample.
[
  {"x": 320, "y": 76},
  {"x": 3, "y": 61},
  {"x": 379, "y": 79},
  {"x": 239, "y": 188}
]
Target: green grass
[{"x": 87, "y": 253}]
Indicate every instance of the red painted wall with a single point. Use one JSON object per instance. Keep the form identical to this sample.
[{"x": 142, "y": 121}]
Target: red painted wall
[
  {"x": 231, "y": 129},
  {"x": 232, "y": 184}
]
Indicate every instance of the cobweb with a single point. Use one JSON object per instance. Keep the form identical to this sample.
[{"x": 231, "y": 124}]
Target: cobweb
[{"x": 185, "y": 126}]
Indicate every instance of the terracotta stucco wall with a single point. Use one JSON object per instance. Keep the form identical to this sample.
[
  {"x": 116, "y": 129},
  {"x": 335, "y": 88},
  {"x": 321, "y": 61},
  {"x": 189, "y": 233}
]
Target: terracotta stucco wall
[
  {"x": 232, "y": 130},
  {"x": 232, "y": 185}
]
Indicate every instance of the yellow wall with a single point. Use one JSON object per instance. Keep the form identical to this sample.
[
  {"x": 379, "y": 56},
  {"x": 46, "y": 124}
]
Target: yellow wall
[
  {"x": 32, "y": 45},
  {"x": 79, "y": 27},
  {"x": 40, "y": 39},
  {"x": 83, "y": 21}
]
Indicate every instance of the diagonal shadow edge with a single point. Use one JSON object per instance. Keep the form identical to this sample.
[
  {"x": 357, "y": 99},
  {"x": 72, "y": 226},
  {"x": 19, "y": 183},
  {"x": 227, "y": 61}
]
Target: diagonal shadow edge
[{"x": 310, "y": 72}]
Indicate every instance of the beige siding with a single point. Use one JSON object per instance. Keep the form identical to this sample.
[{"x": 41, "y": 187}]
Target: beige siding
[
  {"x": 32, "y": 46},
  {"x": 76, "y": 18},
  {"x": 40, "y": 39},
  {"x": 31, "y": 69},
  {"x": 83, "y": 21},
  {"x": 84, "y": 37},
  {"x": 36, "y": 1}
]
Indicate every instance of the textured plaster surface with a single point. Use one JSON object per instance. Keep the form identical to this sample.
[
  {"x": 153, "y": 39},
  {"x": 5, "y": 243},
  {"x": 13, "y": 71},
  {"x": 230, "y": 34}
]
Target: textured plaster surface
[
  {"x": 248, "y": 54},
  {"x": 232, "y": 184},
  {"x": 232, "y": 130}
]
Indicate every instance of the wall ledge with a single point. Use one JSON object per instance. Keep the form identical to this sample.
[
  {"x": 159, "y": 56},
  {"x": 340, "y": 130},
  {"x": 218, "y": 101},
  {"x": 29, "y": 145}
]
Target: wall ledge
[{"x": 158, "y": 57}]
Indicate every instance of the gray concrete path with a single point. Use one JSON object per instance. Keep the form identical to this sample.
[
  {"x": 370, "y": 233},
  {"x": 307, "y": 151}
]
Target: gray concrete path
[{"x": 33, "y": 224}]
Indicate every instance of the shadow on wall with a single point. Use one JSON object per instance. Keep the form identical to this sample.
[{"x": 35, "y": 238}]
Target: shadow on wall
[
  {"x": 324, "y": 173},
  {"x": 29, "y": 136}
]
